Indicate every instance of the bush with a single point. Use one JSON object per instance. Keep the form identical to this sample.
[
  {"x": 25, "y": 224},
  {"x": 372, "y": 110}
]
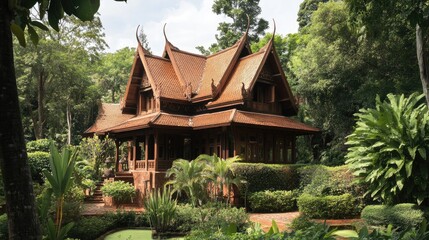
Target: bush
[
  {"x": 328, "y": 207},
  {"x": 41, "y": 145},
  {"x": 38, "y": 161},
  {"x": 401, "y": 215},
  {"x": 89, "y": 228},
  {"x": 4, "y": 232},
  {"x": 261, "y": 177},
  {"x": 120, "y": 191},
  {"x": 160, "y": 209},
  {"x": 272, "y": 201},
  {"x": 213, "y": 220}
]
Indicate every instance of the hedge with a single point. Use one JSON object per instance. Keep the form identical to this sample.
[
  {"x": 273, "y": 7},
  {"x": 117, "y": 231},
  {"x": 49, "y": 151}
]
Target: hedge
[
  {"x": 328, "y": 207},
  {"x": 261, "y": 177},
  {"x": 41, "y": 145},
  {"x": 38, "y": 162},
  {"x": 401, "y": 215},
  {"x": 272, "y": 201}
]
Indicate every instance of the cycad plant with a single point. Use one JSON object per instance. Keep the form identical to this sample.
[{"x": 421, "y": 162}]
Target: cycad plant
[
  {"x": 187, "y": 176},
  {"x": 389, "y": 149},
  {"x": 60, "y": 179}
]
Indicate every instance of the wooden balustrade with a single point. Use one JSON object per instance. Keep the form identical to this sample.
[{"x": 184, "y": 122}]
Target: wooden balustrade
[
  {"x": 151, "y": 164},
  {"x": 140, "y": 164}
]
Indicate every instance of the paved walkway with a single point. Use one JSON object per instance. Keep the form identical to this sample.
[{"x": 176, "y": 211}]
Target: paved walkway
[{"x": 265, "y": 219}]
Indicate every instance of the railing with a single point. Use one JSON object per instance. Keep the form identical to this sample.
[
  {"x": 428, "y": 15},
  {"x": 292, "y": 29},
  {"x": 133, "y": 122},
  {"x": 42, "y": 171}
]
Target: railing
[
  {"x": 151, "y": 164},
  {"x": 140, "y": 164}
]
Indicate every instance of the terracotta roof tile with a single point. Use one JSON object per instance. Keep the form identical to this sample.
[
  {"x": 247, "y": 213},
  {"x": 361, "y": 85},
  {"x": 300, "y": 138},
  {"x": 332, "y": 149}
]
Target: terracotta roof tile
[
  {"x": 216, "y": 66},
  {"x": 172, "y": 120},
  {"x": 162, "y": 73},
  {"x": 269, "y": 120},
  {"x": 245, "y": 72},
  {"x": 109, "y": 115},
  {"x": 212, "y": 119},
  {"x": 134, "y": 123},
  {"x": 191, "y": 66}
]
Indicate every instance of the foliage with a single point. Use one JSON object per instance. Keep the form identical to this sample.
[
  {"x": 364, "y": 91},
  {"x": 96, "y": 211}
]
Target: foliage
[
  {"x": 260, "y": 177},
  {"x": 120, "y": 191},
  {"x": 337, "y": 71},
  {"x": 39, "y": 162},
  {"x": 342, "y": 206},
  {"x": 388, "y": 149},
  {"x": 214, "y": 222},
  {"x": 306, "y": 9},
  {"x": 160, "y": 209},
  {"x": 319, "y": 180},
  {"x": 187, "y": 176},
  {"x": 301, "y": 222},
  {"x": 89, "y": 228},
  {"x": 60, "y": 179},
  {"x": 93, "y": 152},
  {"x": 272, "y": 201},
  {"x": 40, "y": 145},
  {"x": 113, "y": 71},
  {"x": 402, "y": 215},
  {"x": 229, "y": 33},
  {"x": 218, "y": 172}
]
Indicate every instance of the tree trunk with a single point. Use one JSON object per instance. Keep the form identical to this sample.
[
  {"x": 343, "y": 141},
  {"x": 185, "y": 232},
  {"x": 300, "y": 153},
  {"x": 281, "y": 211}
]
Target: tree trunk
[
  {"x": 422, "y": 59},
  {"x": 40, "y": 104},
  {"x": 69, "y": 124},
  {"x": 23, "y": 221},
  {"x": 113, "y": 95}
]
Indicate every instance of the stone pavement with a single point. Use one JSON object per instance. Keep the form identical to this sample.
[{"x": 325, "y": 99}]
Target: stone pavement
[{"x": 265, "y": 219}]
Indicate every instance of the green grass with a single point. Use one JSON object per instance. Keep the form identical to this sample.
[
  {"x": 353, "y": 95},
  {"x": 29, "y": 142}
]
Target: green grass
[{"x": 132, "y": 234}]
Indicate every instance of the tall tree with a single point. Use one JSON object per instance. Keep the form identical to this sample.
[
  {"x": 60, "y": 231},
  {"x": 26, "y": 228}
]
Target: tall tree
[
  {"x": 113, "y": 72},
  {"x": 306, "y": 9},
  {"x": 15, "y": 17},
  {"x": 378, "y": 16},
  {"x": 339, "y": 71},
  {"x": 229, "y": 33}
]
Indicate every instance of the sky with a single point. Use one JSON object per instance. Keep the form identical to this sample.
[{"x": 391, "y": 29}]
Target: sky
[{"x": 190, "y": 23}]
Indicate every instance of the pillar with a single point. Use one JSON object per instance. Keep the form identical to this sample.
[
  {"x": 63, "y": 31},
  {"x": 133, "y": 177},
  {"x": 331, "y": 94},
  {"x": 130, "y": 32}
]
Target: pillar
[{"x": 117, "y": 144}]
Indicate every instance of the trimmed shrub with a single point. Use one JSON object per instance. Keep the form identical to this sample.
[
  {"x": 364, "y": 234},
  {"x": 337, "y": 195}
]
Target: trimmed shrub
[
  {"x": 120, "y": 191},
  {"x": 38, "y": 162},
  {"x": 401, "y": 215},
  {"x": 89, "y": 228},
  {"x": 328, "y": 207},
  {"x": 272, "y": 201},
  {"x": 41, "y": 145},
  {"x": 261, "y": 177}
]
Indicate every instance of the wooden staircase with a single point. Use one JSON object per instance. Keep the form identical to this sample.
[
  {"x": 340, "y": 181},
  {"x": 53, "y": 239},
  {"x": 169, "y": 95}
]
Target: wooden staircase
[
  {"x": 124, "y": 176},
  {"x": 97, "y": 196}
]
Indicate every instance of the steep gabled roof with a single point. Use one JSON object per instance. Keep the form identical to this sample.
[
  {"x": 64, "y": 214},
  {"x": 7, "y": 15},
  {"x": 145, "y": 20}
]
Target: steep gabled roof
[{"x": 218, "y": 69}]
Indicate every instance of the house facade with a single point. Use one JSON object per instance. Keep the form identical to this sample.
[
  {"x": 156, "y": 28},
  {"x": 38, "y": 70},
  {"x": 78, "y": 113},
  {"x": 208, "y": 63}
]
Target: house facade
[{"x": 181, "y": 104}]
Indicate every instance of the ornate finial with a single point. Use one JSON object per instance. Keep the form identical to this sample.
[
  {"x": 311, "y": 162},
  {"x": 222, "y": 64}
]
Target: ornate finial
[
  {"x": 274, "y": 31},
  {"x": 188, "y": 93},
  {"x": 248, "y": 24},
  {"x": 244, "y": 91},
  {"x": 137, "y": 37},
  {"x": 163, "y": 30},
  {"x": 214, "y": 88}
]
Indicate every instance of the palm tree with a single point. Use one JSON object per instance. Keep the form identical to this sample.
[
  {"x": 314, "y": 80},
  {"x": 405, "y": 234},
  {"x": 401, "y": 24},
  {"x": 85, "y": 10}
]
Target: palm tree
[
  {"x": 187, "y": 176},
  {"x": 218, "y": 170}
]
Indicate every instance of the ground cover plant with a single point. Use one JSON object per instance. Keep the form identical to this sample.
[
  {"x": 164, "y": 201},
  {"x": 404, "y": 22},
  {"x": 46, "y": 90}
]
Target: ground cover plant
[{"x": 120, "y": 191}]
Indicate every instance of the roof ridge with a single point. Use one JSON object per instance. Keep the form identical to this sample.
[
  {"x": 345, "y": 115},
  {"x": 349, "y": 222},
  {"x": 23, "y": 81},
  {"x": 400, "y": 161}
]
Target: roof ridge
[
  {"x": 226, "y": 49},
  {"x": 158, "y": 57},
  {"x": 189, "y": 53}
]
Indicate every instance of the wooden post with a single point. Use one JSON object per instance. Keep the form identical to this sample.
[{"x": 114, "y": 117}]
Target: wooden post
[
  {"x": 155, "y": 149},
  {"x": 146, "y": 151},
  {"x": 134, "y": 153},
  {"x": 117, "y": 144}
]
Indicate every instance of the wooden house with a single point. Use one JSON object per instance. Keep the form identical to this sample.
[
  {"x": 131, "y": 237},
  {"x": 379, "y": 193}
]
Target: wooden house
[{"x": 181, "y": 104}]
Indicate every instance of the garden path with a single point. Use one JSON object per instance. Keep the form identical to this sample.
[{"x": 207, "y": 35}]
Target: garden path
[{"x": 265, "y": 219}]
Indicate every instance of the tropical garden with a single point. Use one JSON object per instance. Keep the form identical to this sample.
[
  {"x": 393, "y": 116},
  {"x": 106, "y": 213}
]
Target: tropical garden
[{"x": 358, "y": 68}]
